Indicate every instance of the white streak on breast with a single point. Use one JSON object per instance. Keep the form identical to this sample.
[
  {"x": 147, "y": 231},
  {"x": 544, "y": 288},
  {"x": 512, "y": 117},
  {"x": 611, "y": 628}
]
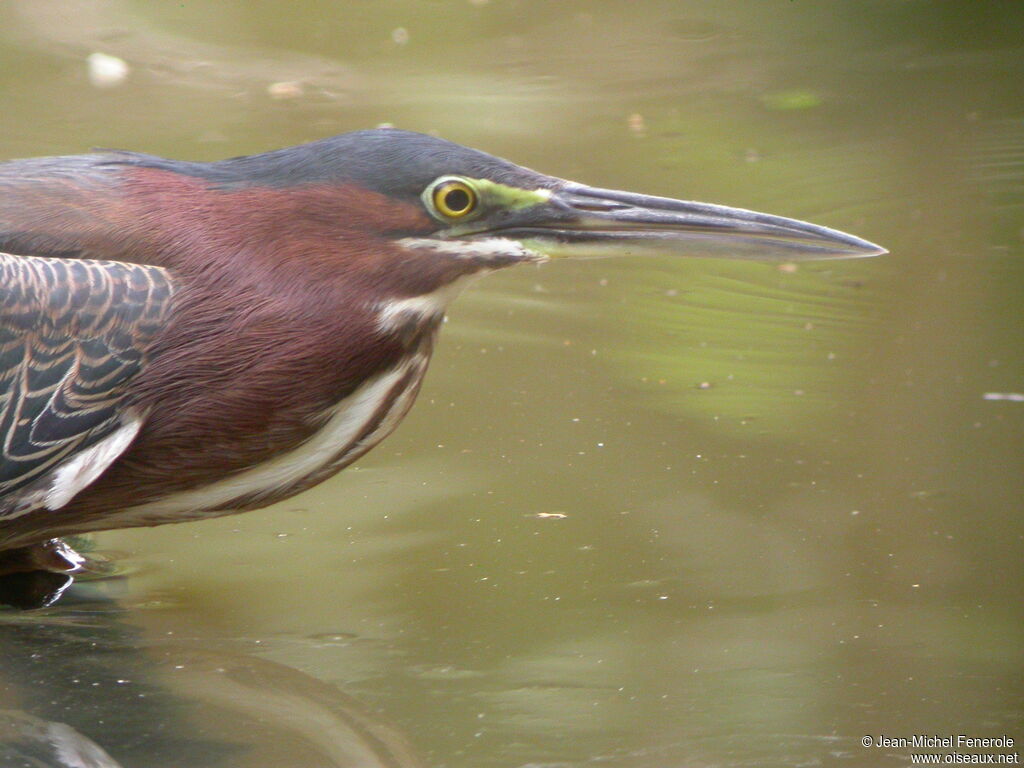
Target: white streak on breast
[
  {"x": 344, "y": 422},
  {"x": 84, "y": 467},
  {"x": 419, "y": 308},
  {"x": 397, "y": 412}
]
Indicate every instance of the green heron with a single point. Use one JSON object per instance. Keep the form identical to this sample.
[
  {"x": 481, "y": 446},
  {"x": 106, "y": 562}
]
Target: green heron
[{"x": 182, "y": 340}]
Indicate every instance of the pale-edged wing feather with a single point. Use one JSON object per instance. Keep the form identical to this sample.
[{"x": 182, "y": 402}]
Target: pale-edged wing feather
[{"x": 73, "y": 334}]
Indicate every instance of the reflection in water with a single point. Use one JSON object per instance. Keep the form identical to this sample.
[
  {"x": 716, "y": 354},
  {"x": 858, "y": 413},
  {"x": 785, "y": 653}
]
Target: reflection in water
[
  {"x": 29, "y": 741},
  {"x": 78, "y": 684},
  {"x": 33, "y": 589}
]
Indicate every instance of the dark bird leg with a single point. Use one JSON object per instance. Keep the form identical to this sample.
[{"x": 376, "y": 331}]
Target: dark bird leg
[
  {"x": 53, "y": 555},
  {"x": 35, "y": 576}
]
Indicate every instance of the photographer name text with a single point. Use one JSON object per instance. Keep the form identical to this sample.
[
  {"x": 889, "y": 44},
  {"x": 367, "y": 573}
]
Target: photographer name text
[{"x": 935, "y": 741}]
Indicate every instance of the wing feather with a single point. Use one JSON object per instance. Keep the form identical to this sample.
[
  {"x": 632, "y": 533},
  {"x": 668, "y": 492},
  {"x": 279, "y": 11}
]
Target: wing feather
[{"x": 73, "y": 335}]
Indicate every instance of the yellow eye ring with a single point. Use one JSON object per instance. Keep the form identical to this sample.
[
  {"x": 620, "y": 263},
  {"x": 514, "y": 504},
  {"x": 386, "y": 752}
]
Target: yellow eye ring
[{"x": 454, "y": 199}]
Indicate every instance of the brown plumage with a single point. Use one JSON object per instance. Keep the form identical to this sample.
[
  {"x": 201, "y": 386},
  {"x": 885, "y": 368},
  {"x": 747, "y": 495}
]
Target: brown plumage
[{"x": 301, "y": 334}]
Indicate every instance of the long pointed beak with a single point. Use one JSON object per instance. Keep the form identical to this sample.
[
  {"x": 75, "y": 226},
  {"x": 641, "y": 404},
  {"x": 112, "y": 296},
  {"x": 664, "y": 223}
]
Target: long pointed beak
[{"x": 578, "y": 220}]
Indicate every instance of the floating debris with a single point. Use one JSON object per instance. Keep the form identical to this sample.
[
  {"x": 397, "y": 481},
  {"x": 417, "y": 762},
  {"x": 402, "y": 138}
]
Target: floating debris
[
  {"x": 286, "y": 89},
  {"x": 1013, "y": 397},
  {"x": 106, "y": 71},
  {"x": 637, "y": 125}
]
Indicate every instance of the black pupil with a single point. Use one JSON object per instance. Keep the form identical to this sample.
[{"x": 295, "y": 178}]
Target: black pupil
[{"x": 457, "y": 200}]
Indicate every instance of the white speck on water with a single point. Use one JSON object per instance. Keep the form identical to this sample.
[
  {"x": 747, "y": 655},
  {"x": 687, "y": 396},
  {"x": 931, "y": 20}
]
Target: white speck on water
[
  {"x": 1012, "y": 397},
  {"x": 106, "y": 71}
]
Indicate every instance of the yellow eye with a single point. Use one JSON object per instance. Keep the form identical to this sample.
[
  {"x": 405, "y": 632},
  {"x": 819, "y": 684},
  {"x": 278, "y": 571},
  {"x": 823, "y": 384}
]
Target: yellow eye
[{"x": 454, "y": 198}]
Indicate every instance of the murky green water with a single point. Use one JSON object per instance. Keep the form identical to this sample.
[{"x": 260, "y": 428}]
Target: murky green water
[{"x": 647, "y": 513}]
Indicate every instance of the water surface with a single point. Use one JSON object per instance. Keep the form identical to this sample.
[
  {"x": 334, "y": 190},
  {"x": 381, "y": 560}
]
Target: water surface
[{"x": 646, "y": 513}]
